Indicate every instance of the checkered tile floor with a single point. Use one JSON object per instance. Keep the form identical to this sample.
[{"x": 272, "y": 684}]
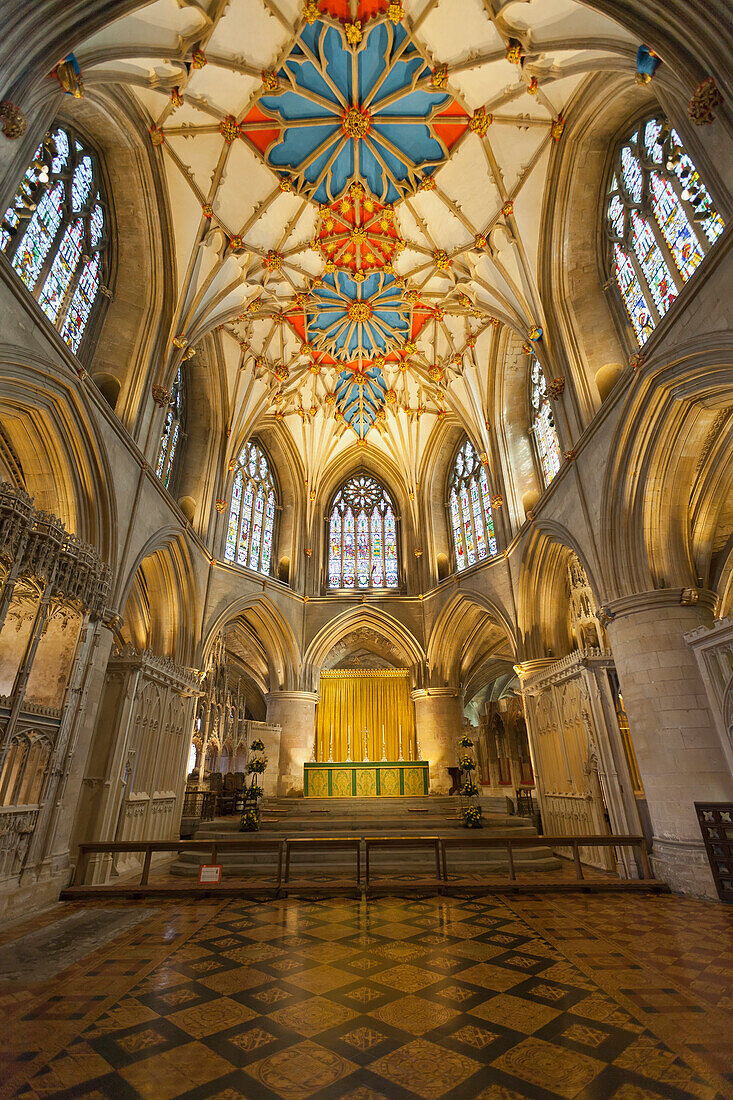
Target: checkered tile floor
[{"x": 387, "y": 1000}]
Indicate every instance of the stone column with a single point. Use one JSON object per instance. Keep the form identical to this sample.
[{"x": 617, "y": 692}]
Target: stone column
[
  {"x": 295, "y": 712},
  {"x": 676, "y": 742},
  {"x": 439, "y": 721}
]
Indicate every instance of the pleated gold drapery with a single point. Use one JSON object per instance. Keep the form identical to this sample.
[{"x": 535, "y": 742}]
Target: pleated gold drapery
[{"x": 378, "y": 702}]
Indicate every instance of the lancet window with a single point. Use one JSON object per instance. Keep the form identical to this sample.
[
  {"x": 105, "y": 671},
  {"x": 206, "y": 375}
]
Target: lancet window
[
  {"x": 252, "y": 512},
  {"x": 469, "y": 505},
  {"x": 55, "y": 232},
  {"x": 362, "y": 544},
  {"x": 173, "y": 426},
  {"x": 543, "y": 423},
  {"x": 660, "y": 222}
]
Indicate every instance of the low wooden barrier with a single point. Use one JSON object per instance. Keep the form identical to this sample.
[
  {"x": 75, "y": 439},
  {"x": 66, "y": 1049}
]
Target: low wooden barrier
[
  {"x": 280, "y": 880},
  {"x": 323, "y": 844},
  {"x": 511, "y": 844},
  {"x": 415, "y": 882},
  {"x": 149, "y": 848}
]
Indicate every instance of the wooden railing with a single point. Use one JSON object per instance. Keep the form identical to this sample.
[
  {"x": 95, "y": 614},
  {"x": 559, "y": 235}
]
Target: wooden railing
[{"x": 279, "y": 877}]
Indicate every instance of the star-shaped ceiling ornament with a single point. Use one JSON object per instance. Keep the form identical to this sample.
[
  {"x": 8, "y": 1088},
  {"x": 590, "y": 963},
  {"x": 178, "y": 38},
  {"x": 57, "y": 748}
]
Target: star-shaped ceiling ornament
[
  {"x": 344, "y": 111},
  {"x": 356, "y": 192}
]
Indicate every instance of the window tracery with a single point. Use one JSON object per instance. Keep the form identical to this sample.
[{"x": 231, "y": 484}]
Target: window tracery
[
  {"x": 543, "y": 423},
  {"x": 252, "y": 511},
  {"x": 54, "y": 232},
  {"x": 362, "y": 545},
  {"x": 469, "y": 503},
  {"x": 172, "y": 429},
  {"x": 660, "y": 222}
]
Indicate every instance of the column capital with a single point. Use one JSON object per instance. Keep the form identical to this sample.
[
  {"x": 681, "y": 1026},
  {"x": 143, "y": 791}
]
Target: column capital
[
  {"x": 658, "y": 599},
  {"x": 303, "y": 696},
  {"x": 434, "y": 693}
]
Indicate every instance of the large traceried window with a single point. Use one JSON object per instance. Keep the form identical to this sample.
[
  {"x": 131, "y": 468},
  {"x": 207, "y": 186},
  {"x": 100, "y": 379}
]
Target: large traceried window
[
  {"x": 54, "y": 232},
  {"x": 660, "y": 222},
  {"x": 362, "y": 544},
  {"x": 469, "y": 503},
  {"x": 543, "y": 423},
  {"x": 252, "y": 513},
  {"x": 173, "y": 426}
]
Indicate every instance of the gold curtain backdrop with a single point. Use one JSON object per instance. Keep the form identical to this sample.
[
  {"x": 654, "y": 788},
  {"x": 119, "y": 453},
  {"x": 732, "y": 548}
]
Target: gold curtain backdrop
[{"x": 353, "y": 701}]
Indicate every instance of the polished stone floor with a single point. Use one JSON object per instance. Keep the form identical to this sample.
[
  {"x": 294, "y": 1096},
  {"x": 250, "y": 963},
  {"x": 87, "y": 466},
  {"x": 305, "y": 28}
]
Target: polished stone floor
[{"x": 587, "y": 996}]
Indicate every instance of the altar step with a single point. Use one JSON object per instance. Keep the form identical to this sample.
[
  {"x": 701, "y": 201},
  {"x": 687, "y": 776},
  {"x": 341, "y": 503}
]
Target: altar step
[{"x": 433, "y": 816}]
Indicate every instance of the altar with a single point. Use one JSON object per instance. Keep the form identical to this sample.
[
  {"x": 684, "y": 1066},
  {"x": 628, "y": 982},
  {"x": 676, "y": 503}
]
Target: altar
[{"x": 365, "y": 779}]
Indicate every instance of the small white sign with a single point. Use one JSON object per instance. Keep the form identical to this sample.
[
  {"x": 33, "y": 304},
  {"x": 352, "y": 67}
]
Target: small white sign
[{"x": 210, "y": 874}]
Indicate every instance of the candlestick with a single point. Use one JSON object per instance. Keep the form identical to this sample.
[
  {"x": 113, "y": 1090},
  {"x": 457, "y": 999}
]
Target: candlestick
[
  {"x": 330, "y": 746},
  {"x": 384, "y": 744},
  {"x": 348, "y": 744},
  {"x": 400, "y": 741},
  {"x": 366, "y": 748}
]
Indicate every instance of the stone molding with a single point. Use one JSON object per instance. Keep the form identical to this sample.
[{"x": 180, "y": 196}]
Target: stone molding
[
  {"x": 564, "y": 668},
  {"x": 434, "y": 693},
  {"x": 656, "y": 600},
  {"x": 154, "y": 667},
  {"x": 305, "y": 696}
]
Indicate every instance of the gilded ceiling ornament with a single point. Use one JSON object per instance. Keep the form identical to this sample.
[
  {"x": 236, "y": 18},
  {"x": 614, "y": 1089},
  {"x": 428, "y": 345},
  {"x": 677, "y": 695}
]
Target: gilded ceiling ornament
[
  {"x": 180, "y": 341},
  {"x": 307, "y": 349},
  {"x": 395, "y": 11},
  {"x": 442, "y": 414},
  {"x": 314, "y": 368},
  {"x": 279, "y": 416},
  {"x": 514, "y": 51},
  {"x": 359, "y": 311},
  {"x": 353, "y": 32},
  {"x": 705, "y": 101},
  {"x": 220, "y": 505},
  {"x": 13, "y": 121},
  {"x": 497, "y": 500},
  {"x": 418, "y": 551},
  {"x": 535, "y": 333},
  {"x": 161, "y": 396},
  {"x": 508, "y": 208},
  {"x": 157, "y": 137},
  {"x": 435, "y": 373},
  {"x": 330, "y": 398},
  {"x": 526, "y": 347},
  {"x": 556, "y": 388},
  {"x": 198, "y": 59},
  {"x": 356, "y": 122},
  {"x": 557, "y": 128},
  {"x": 533, "y": 86},
  {"x": 282, "y": 373},
  {"x": 439, "y": 78},
  {"x": 236, "y": 243},
  {"x": 311, "y": 11},
  {"x": 176, "y": 98},
  {"x": 270, "y": 81},
  {"x": 479, "y": 241},
  {"x": 229, "y": 129},
  {"x": 427, "y": 184},
  {"x": 480, "y": 121},
  {"x": 68, "y": 74},
  {"x": 273, "y": 260},
  {"x": 207, "y": 210},
  {"x": 569, "y": 456}
]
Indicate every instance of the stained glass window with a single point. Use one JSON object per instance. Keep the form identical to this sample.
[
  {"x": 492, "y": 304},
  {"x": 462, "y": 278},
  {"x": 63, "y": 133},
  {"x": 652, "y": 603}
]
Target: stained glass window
[
  {"x": 251, "y": 526},
  {"x": 543, "y": 424},
  {"x": 660, "y": 222},
  {"x": 469, "y": 505},
  {"x": 172, "y": 430},
  {"x": 362, "y": 549},
  {"x": 54, "y": 232}
]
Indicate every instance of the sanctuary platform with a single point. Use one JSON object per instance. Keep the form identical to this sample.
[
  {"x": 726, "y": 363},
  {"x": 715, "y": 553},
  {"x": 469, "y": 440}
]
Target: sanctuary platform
[{"x": 365, "y": 779}]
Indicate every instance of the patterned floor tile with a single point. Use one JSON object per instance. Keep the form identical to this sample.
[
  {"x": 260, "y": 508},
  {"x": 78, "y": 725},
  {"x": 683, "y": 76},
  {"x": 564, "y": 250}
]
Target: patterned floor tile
[{"x": 394, "y": 999}]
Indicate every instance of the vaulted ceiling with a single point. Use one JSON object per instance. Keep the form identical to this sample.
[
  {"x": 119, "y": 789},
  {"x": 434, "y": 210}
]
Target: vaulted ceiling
[{"x": 356, "y": 191}]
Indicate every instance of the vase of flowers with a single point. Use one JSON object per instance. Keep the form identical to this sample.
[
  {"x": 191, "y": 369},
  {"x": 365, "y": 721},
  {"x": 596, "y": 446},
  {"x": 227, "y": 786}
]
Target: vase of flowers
[
  {"x": 251, "y": 818},
  {"x": 469, "y": 790},
  {"x": 472, "y": 816}
]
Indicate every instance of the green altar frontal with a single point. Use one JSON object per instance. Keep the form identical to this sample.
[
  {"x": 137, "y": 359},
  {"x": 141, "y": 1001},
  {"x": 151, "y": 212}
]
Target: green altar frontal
[{"x": 363, "y": 779}]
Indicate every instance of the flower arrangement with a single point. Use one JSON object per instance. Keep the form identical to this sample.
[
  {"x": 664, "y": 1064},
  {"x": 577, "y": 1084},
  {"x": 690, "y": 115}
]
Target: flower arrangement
[
  {"x": 466, "y": 763},
  {"x": 250, "y": 820},
  {"x": 258, "y": 745},
  {"x": 256, "y": 791},
  {"x": 469, "y": 789},
  {"x": 256, "y": 767},
  {"x": 466, "y": 742},
  {"x": 472, "y": 817}
]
